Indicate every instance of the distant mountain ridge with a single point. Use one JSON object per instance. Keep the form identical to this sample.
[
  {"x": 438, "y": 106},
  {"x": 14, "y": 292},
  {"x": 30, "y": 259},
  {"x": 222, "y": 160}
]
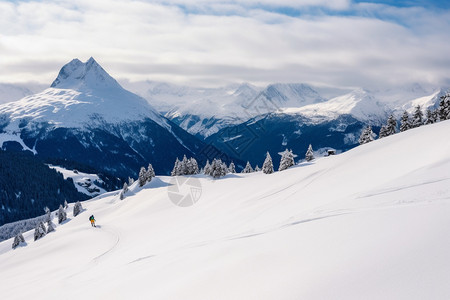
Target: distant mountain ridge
[{"x": 86, "y": 116}]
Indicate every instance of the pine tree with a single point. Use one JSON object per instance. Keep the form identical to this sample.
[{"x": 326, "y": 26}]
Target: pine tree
[
  {"x": 50, "y": 226},
  {"x": 366, "y": 135},
  {"x": 40, "y": 231},
  {"x": 207, "y": 168},
  {"x": 257, "y": 168},
  {"x": 142, "y": 177},
  {"x": 218, "y": 168},
  {"x": 404, "y": 122},
  {"x": 123, "y": 191},
  {"x": 62, "y": 215},
  {"x": 150, "y": 173},
  {"x": 417, "y": 117},
  {"x": 309, "y": 156},
  {"x": 232, "y": 168},
  {"x": 176, "y": 168},
  {"x": 248, "y": 168},
  {"x": 391, "y": 127},
  {"x": 184, "y": 166},
  {"x": 383, "y": 132},
  {"x": 192, "y": 166},
  {"x": 287, "y": 160},
  {"x": 130, "y": 181},
  {"x": 77, "y": 208},
  {"x": 66, "y": 206},
  {"x": 443, "y": 109},
  {"x": 267, "y": 167},
  {"x": 18, "y": 239},
  {"x": 429, "y": 117}
]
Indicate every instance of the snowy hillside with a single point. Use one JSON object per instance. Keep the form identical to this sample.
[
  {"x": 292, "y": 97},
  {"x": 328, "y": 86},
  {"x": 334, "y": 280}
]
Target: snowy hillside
[
  {"x": 88, "y": 184},
  {"x": 371, "y": 223},
  {"x": 359, "y": 104}
]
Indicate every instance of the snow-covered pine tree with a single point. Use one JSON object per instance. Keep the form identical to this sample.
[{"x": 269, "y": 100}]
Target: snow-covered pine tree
[
  {"x": 184, "y": 166},
  {"x": 176, "y": 168},
  {"x": 123, "y": 191},
  {"x": 150, "y": 173},
  {"x": 267, "y": 167},
  {"x": 383, "y": 132},
  {"x": 248, "y": 168},
  {"x": 62, "y": 215},
  {"x": 257, "y": 168},
  {"x": 429, "y": 117},
  {"x": 443, "y": 109},
  {"x": 435, "y": 116},
  {"x": 447, "y": 106},
  {"x": 391, "y": 127},
  {"x": 218, "y": 168},
  {"x": 77, "y": 208},
  {"x": 417, "y": 117},
  {"x": 366, "y": 135},
  {"x": 130, "y": 181},
  {"x": 66, "y": 205},
  {"x": 207, "y": 168},
  {"x": 40, "y": 231},
  {"x": 232, "y": 168},
  {"x": 50, "y": 226},
  {"x": 18, "y": 239},
  {"x": 309, "y": 155},
  {"x": 405, "y": 124},
  {"x": 287, "y": 160},
  {"x": 142, "y": 177},
  {"x": 192, "y": 166}
]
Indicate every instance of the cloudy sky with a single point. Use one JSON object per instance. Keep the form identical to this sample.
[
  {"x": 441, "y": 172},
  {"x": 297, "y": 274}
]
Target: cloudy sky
[{"x": 216, "y": 42}]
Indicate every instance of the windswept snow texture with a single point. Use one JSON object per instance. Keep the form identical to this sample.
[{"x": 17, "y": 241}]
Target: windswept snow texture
[
  {"x": 370, "y": 223},
  {"x": 85, "y": 183}
]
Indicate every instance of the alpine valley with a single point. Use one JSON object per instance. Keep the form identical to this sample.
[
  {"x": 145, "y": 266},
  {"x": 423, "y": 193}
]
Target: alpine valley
[{"x": 246, "y": 121}]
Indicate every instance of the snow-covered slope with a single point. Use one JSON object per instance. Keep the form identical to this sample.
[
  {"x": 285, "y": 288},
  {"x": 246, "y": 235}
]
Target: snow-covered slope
[
  {"x": 88, "y": 184},
  {"x": 371, "y": 223},
  {"x": 359, "y": 104}
]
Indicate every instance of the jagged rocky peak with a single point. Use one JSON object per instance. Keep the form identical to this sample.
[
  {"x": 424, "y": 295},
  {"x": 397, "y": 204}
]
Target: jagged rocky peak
[{"x": 89, "y": 75}]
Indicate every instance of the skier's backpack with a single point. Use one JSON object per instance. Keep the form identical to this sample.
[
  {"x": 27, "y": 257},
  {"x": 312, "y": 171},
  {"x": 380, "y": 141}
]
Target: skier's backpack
[{"x": 91, "y": 218}]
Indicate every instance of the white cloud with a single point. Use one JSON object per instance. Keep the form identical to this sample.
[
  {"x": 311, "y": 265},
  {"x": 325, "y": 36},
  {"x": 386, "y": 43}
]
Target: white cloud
[{"x": 161, "y": 40}]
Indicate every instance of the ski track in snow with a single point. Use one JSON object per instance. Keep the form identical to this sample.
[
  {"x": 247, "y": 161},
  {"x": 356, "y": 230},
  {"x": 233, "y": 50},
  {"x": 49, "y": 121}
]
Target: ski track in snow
[{"x": 113, "y": 232}]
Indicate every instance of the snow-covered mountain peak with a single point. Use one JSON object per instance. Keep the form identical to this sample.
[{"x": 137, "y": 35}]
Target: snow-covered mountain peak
[
  {"x": 84, "y": 76},
  {"x": 283, "y": 95},
  {"x": 358, "y": 103},
  {"x": 82, "y": 94}
]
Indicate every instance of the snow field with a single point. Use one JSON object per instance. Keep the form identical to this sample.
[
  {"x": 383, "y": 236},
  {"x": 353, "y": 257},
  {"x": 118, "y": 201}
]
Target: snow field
[{"x": 371, "y": 223}]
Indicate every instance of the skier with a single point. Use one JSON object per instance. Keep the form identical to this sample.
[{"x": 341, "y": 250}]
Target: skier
[{"x": 91, "y": 218}]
